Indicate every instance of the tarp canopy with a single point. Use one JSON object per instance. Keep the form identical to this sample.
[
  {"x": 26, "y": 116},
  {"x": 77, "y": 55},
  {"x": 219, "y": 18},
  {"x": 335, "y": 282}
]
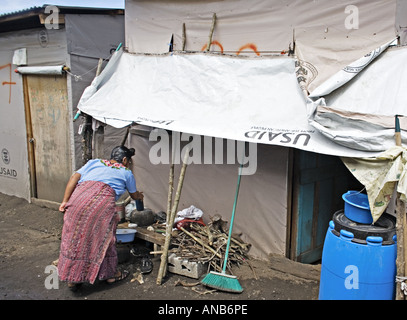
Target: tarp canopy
[
  {"x": 357, "y": 106},
  {"x": 247, "y": 99},
  {"x": 255, "y": 99}
]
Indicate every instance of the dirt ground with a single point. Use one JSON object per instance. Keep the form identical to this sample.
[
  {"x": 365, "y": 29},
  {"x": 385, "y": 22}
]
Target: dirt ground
[{"x": 30, "y": 240}]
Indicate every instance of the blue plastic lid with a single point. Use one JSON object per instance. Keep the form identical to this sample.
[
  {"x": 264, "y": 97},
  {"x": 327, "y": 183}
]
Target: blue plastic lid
[{"x": 383, "y": 230}]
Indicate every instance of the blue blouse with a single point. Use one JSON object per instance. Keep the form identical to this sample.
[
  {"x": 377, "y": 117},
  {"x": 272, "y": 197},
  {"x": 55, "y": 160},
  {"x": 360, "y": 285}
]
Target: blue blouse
[{"x": 115, "y": 175}]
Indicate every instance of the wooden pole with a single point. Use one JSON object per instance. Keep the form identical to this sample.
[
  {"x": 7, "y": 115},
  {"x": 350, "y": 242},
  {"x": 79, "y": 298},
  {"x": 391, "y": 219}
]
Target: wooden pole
[
  {"x": 99, "y": 134},
  {"x": 184, "y": 37},
  {"x": 400, "y": 230},
  {"x": 171, "y": 183},
  {"x": 169, "y": 201},
  {"x": 88, "y": 139},
  {"x": 401, "y": 239},
  {"x": 208, "y": 47},
  {"x": 170, "y": 190},
  {"x": 170, "y": 223},
  {"x": 99, "y": 68}
]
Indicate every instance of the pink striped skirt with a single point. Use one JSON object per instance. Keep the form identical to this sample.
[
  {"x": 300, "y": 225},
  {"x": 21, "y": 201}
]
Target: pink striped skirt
[{"x": 88, "y": 243}]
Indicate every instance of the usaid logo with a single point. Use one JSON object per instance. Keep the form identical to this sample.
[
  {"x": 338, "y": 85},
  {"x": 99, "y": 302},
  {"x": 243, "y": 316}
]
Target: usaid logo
[
  {"x": 7, "y": 172},
  {"x": 5, "y": 156}
]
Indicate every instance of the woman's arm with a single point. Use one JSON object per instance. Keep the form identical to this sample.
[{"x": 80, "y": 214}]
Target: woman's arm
[{"x": 70, "y": 187}]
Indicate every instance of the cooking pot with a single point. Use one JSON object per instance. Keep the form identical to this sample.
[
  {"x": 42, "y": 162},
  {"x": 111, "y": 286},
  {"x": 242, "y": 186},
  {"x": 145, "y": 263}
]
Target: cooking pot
[{"x": 142, "y": 218}]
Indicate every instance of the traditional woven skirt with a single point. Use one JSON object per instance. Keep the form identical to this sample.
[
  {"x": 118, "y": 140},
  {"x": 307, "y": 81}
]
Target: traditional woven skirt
[{"x": 88, "y": 244}]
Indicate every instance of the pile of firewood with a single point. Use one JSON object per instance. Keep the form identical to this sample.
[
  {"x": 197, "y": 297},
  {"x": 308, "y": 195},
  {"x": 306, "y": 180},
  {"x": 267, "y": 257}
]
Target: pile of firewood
[{"x": 207, "y": 243}]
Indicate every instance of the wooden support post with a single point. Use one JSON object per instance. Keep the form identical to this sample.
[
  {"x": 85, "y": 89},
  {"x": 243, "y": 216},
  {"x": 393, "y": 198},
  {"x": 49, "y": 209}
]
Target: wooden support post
[
  {"x": 400, "y": 230},
  {"x": 99, "y": 134},
  {"x": 89, "y": 140},
  {"x": 98, "y": 142},
  {"x": 169, "y": 201},
  {"x": 401, "y": 245},
  {"x": 170, "y": 221}
]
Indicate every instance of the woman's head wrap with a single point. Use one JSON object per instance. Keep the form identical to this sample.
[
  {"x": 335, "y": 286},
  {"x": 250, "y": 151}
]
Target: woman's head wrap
[{"x": 118, "y": 153}]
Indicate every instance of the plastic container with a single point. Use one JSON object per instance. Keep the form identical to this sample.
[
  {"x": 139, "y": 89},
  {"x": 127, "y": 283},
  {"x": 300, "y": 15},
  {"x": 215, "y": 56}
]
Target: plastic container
[
  {"x": 125, "y": 235},
  {"x": 139, "y": 205},
  {"x": 359, "y": 261},
  {"x": 357, "y": 207}
]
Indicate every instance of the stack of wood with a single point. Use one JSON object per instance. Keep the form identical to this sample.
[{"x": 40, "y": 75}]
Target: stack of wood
[{"x": 208, "y": 244}]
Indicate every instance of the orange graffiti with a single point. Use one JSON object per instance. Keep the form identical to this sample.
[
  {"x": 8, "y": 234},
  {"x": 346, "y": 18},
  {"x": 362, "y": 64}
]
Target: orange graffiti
[
  {"x": 251, "y": 46},
  {"x": 8, "y": 82},
  {"x": 215, "y": 43},
  {"x": 248, "y": 46}
]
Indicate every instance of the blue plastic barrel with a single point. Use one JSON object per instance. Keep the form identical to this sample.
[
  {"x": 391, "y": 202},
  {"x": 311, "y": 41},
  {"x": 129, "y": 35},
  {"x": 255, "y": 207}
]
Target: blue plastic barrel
[{"x": 358, "y": 261}]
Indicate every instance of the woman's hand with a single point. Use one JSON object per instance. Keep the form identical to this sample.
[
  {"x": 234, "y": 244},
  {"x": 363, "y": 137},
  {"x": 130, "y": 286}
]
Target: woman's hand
[
  {"x": 62, "y": 206},
  {"x": 70, "y": 187},
  {"x": 137, "y": 195}
]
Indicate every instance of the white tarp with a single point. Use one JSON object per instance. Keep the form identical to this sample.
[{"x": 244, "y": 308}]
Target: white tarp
[
  {"x": 328, "y": 34},
  {"x": 247, "y": 99},
  {"x": 356, "y": 107}
]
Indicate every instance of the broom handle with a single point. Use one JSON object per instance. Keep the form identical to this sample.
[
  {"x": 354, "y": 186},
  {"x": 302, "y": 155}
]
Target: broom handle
[{"x": 233, "y": 217}]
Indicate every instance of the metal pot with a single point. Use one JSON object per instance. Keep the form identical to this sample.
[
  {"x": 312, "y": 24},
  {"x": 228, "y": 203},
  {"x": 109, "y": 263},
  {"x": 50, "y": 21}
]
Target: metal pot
[{"x": 120, "y": 210}]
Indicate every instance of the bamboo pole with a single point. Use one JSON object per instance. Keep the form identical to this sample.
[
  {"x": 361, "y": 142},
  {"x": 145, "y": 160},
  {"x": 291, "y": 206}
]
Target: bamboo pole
[
  {"x": 170, "y": 184},
  {"x": 170, "y": 223},
  {"x": 169, "y": 200},
  {"x": 170, "y": 191}
]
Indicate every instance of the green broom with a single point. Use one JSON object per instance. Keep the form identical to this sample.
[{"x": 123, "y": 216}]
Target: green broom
[{"x": 221, "y": 280}]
